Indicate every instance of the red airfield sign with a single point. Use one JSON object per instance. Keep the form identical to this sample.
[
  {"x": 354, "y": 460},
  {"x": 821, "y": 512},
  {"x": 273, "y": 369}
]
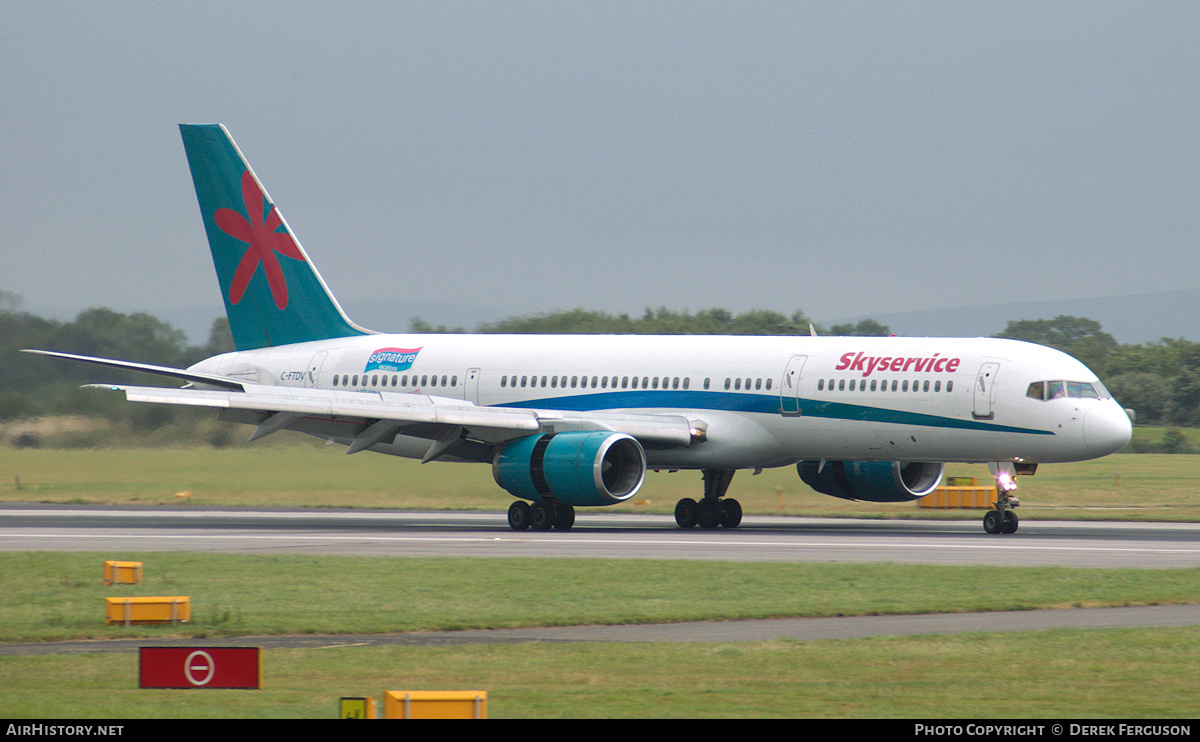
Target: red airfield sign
[{"x": 200, "y": 667}]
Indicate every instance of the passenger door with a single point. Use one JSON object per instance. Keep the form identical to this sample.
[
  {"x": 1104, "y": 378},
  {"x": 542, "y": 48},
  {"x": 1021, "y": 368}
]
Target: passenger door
[
  {"x": 985, "y": 391},
  {"x": 789, "y": 388}
]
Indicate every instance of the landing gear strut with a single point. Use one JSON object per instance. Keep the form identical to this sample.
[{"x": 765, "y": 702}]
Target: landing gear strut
[
  {"x": 714, "y": 509},
  {"x": 1003, "y": 519},
  {"x": 540, "y": 516}
]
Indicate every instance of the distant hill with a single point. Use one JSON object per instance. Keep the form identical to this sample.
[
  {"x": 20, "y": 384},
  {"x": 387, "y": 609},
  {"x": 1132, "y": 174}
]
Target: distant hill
[{"x": 1132, "y": 319}]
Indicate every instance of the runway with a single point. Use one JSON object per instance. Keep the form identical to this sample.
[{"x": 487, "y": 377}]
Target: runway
[{"x": 602, "y": 535}]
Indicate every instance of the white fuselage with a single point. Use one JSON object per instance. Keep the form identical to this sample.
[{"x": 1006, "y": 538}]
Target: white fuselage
[{"x": 761, "y": 401}]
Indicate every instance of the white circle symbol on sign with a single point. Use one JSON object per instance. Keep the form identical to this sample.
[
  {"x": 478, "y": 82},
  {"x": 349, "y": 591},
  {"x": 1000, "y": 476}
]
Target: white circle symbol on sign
[{"x": 199, "y": 667}]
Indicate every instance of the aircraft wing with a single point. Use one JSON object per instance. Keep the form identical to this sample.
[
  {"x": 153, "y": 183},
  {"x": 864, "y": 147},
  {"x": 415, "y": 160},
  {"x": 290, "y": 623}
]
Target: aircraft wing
[
  {"x": 371, "y": 417},
  {"x": 366, "y": 418}
]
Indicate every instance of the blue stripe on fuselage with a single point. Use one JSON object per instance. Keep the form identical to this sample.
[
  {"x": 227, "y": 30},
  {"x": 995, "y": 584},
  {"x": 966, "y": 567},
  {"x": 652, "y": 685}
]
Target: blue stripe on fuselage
[{"x": 755, "y": 403}]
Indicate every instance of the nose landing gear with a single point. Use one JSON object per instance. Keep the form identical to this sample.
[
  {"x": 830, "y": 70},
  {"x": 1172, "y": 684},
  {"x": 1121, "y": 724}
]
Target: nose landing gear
[{"x": 1003, "y": 519}]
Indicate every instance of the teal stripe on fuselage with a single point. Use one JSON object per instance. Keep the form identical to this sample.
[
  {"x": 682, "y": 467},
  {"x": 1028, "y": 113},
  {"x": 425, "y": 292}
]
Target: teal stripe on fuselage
[{"x": 756, "y": 403}]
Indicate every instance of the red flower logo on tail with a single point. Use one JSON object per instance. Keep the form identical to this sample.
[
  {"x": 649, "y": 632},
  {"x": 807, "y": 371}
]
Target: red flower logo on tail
[{"x": 259, "y": 233}]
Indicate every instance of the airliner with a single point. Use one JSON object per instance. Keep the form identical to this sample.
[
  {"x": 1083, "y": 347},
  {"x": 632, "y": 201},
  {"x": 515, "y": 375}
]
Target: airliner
[{"x": 571, "y": 421}]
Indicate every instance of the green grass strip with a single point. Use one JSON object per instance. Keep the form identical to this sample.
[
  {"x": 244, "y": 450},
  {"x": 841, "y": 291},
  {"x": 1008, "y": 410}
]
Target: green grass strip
[
  {"x": 57, "y": 595},
  {"x": 1121, "y": 673}
]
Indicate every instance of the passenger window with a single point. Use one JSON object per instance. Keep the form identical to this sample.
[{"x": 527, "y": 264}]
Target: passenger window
[
  {"x": 820, "y": 385},
  {"x": 687, "y": 382},
  {"x": 768, "y": 385}
]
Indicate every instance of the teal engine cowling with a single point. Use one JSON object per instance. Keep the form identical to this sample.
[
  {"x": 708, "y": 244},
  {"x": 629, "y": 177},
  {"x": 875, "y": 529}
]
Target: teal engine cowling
[
  {"x": 873, "y": 481},
  {"x": 583, "y": 468}
]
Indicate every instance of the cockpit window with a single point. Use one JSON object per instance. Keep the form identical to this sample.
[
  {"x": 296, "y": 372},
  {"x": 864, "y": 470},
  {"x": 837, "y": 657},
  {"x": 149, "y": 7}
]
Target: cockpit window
[
  {"x": 1071, "y": 389},
  {"x": 1081, "y": 390}
]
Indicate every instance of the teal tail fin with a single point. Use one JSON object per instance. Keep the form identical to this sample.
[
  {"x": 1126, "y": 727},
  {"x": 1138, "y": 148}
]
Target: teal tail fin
[{"x": 273, "y": 294}]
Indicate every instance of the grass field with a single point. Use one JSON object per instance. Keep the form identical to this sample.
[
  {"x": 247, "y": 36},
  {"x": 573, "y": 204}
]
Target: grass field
[
  {"x": 297, "y": 473},
  {"x": 1133, "y": 673},
  {"x": 1077, "y": 674}
]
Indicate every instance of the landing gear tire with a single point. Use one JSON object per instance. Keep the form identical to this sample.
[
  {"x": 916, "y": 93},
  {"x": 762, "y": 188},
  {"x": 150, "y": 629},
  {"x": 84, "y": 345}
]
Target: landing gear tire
[
  {"x": 1000, "y": 521},
  {"x": 541, "y": 516},
  {"x": 564, "y": 517},
  {"x": 685, "y": 513},
  {"x": 518, "y": 516},
  {"x": 708, "y": 513},
  {"x": 731, "y": 513}
]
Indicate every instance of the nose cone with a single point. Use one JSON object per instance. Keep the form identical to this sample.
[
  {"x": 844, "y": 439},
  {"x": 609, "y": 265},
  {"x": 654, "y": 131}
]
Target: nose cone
[{"x": 1106, "y": 429}]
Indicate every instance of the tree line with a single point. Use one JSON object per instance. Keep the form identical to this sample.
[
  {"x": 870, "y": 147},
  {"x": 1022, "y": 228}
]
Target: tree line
[{"x": 1160, "y": 380}]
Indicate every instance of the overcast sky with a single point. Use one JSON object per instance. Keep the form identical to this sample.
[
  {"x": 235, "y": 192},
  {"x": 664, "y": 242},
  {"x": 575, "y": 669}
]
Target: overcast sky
[{"x": 841, "y": 158}]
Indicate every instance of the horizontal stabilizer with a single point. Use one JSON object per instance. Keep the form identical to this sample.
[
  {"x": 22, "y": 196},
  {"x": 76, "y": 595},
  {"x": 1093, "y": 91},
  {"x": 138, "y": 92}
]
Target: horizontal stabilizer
[{"x": 192, "y": 377}]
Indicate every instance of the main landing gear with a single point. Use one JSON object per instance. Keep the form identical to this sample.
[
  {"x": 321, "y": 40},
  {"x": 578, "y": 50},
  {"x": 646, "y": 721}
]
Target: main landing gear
[
  {"x": 714, "y": 509},
  {"x": 1003, "y": 519},
  {"x": 540, "y": 516}
]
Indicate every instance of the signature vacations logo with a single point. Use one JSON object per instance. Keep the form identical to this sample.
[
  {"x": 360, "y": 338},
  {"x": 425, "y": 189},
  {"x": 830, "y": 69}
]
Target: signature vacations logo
[{"x": 392, "y": 359}]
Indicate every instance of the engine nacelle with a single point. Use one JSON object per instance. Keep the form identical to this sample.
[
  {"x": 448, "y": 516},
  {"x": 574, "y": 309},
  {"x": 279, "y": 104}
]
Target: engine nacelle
[
  {"x": 874, "y": 481},
  {"x": 577, "y": 468}
]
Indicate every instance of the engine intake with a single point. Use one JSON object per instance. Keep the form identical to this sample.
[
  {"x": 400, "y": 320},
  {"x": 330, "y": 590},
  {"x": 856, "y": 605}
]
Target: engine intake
[
  {"x": 873, "y": 481},
  {"x": 577, "y": 468}
]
